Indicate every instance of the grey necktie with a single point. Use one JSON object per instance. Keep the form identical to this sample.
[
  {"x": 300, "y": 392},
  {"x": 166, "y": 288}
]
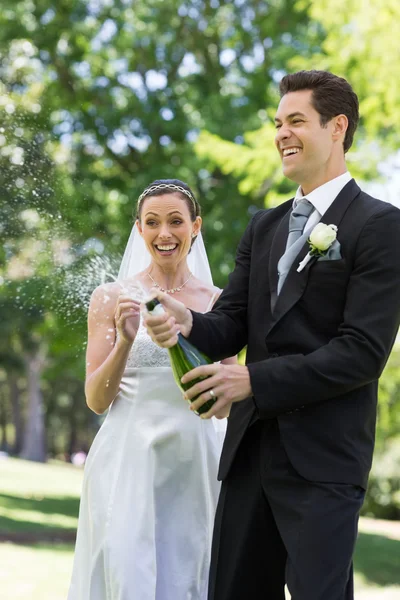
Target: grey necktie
[{"x": 297, "y": 223}]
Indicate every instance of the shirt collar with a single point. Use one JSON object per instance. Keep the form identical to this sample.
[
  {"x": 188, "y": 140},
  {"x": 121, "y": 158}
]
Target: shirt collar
[{"x": 323, "y": 196}]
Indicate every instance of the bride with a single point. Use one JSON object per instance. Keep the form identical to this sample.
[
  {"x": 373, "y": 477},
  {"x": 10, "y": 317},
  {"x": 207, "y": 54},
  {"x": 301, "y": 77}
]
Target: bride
[{"x": 150, "y": 484}]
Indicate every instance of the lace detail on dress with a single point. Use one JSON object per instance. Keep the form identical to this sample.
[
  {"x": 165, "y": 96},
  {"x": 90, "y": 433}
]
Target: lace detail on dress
[{"x": 145, "y": 353}]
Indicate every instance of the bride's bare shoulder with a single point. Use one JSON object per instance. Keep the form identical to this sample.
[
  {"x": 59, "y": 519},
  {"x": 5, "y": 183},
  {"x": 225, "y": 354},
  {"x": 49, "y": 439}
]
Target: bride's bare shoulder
[
  {"x": 139, "y": 284},
  {"x": 105, "y": 296},
  {"x": 202, "y": 287},
  {"x": 209, "y": 293},
  {"x": 215, "y": 292}
]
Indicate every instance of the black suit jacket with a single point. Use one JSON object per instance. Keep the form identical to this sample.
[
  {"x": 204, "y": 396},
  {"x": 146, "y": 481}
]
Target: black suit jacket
[{"x": 315, "y": 359}]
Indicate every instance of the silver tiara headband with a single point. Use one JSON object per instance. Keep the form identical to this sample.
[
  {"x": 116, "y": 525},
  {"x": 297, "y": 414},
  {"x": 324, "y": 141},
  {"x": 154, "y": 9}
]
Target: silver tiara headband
[{"x": 165, "y": 186}]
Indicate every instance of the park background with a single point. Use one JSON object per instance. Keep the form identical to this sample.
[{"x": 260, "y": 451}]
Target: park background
[{"x": 97, "y": 99}]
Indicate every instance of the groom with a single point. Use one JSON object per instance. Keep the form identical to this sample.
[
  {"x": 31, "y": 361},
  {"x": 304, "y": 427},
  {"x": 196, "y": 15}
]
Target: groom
[{"x": 300, "y": 437}]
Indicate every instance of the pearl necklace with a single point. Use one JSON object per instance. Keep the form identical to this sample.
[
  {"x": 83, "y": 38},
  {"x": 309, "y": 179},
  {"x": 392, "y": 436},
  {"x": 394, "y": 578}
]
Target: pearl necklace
[{"x": 173, "y": 290}]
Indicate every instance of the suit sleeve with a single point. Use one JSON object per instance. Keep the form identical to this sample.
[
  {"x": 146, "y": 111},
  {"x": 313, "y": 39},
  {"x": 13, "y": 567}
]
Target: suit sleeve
[
  {"x": 222, "y": 332},
  {"x": 358, "y": 354}
]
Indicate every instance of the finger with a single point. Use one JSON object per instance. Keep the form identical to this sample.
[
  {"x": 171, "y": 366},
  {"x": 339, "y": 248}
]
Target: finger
[
  {"x": 202, "y": 371},
  {"x": 224, "y": 413},
  {"x": 128, "y": 306},
  {"x": 216, "y": 408},
  {"x": 125, "y": 308},
  {"x": 203, "y": 386},
  {"x": 172, "y": 341},
  {"x": 167, "y": 339},
  {"x": 166, "y": 300},
  {"x": 163, "y": 328},
  {"x": 220, "y": 416},
  {"x": 154, "y": 321},
  {"x": 121, "y": 325},
  {"x": 125, "y": 316},
  {"x": 125, "y": 298},
  {"x": 206, "y": 397}
]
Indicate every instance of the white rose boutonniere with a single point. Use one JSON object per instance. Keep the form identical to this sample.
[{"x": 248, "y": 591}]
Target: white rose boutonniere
[{"x": 320, "y": 240}]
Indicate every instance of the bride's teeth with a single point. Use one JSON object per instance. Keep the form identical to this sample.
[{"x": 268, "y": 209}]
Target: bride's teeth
[{"x": 171, "y": 247}]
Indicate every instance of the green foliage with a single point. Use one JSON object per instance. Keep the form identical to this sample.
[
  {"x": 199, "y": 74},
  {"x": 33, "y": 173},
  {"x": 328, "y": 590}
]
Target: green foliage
[
  {"x": 99, "y": 98},
  {"x": 256, "y": 162},
  {"x": 383, "y": 496},
  {"x": 388, "y": 429},
  {"x": 357, "y": 40},
  {"x": 362, "y": 44},
  {"x": 125, "y": 91}
]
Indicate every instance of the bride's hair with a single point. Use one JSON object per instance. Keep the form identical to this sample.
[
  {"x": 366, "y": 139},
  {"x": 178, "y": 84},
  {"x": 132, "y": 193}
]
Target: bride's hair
[{"x": 170, "y": 186}]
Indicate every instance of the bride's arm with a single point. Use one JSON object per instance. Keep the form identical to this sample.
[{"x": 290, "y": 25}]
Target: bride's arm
[{"x": 107, "y": 353}]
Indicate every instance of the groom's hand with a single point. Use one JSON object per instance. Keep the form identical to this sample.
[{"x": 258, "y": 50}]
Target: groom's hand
[
  {"x": 163, "y": 329},
  {"x": 229, "y": 383}
]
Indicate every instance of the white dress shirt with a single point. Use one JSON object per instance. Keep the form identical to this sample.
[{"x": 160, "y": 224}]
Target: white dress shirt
[{"x": 322, "y": 197}]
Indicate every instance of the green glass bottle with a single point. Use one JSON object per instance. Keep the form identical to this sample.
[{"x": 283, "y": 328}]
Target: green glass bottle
[{"x": 183, "y": 357}]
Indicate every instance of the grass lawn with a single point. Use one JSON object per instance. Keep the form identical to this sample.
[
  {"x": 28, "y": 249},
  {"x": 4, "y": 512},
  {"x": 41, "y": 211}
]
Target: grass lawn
[
  {"x": 38, "y": 499},
  {"x": 37, "y": 572},
  {"x": 38, "y": 517},
  {"x": 37, "y": 502},
  {"x": 377, "y": 566}
]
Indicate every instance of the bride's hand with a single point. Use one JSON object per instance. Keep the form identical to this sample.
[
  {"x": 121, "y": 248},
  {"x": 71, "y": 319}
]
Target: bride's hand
[
  {"x": 127, "y": 318},
  {"x": 163, "y": 329}
]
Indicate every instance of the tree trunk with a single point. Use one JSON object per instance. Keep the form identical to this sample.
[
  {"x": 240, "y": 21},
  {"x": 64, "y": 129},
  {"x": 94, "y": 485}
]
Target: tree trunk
[
  {"x": 15, "y": 401},
  {"x": 73, "y": 434},
  {"x": 4, "y": 446},
  {"x": 34, "y": 446},
  {"x": 74, "y": 437}
]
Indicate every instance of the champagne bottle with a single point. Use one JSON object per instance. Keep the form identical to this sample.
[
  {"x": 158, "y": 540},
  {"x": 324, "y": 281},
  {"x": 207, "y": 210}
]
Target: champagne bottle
[{"x": 183, "y": 357}]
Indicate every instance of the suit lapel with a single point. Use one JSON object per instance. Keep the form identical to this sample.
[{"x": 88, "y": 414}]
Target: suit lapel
[{"x": 295, "y": 283}]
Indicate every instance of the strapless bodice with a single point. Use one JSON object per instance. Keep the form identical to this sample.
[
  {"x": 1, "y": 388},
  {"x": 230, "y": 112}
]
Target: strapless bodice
[{"x": 145, "y": 353}]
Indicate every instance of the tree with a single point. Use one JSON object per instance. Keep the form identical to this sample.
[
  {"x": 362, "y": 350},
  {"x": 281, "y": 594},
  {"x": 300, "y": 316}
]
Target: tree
[
  {"x": 125, "y": 93},
  {"x": 99, "y": 99},
  {"x": 356, "y": 40},
  {"x": 362, "y": 44}
]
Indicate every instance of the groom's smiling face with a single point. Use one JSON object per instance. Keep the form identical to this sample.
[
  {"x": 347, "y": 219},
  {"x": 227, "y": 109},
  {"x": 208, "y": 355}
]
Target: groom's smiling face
[{"x": 306, "y": 147}]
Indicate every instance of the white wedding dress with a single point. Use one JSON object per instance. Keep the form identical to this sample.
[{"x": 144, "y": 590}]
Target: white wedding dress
[{"x": 149, "y": 493}]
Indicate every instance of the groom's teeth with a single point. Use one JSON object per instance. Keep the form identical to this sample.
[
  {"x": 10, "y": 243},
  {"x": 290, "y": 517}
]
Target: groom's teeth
[{"x": 289, "y": 151}]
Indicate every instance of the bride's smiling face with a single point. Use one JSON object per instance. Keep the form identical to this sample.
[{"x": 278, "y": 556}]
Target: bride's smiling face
[{"x": 167, "y": 228}]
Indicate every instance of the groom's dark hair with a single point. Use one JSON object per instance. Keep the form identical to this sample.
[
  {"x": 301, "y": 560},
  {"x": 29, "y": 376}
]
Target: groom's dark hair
[{"x": 331, "y": 96}]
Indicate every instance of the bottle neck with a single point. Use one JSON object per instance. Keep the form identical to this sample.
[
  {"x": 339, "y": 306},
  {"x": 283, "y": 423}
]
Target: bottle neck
[{"x": 155, "y": 307}]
